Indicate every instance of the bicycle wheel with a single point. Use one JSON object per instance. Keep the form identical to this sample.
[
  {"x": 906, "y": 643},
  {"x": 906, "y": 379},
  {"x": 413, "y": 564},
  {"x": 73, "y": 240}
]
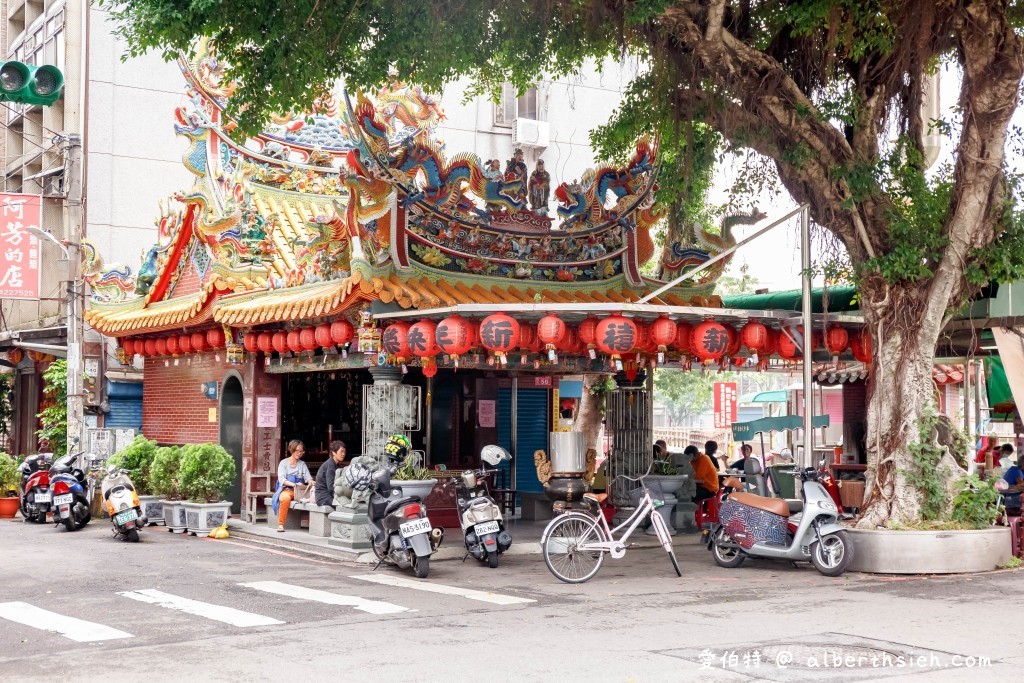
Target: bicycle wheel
[
  {"x": 565, "y": 534},
  {"x": 666, "y": 539}
]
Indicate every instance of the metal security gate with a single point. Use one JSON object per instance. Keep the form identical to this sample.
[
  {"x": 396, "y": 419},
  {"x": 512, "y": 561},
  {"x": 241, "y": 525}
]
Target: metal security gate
[
  {"x": 628, "y": 420},
  {"x": 388, "y": 409}
]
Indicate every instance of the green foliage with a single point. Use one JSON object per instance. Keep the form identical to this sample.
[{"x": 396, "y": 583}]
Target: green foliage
[
  {"x": 206, "y": 473},
  {"x": 976, "y": 504},
  {"x": 163, "y": 473},
  {"x": 412, "y": 468},
  {"x": 664, "y": 468},
  {"x": 1013, "y": 563},
  {"x": 6, "y": 407},
  {"x": 686, "y": 393},
  {"x": 601, "y": 388},
  {"x": 137, "y": 459},
  {"x": 10, "y": 478},
  {"x": 54, "y": 418},
  {"x": 929, "y": 478},
  {"x": 729, "y": 285}
]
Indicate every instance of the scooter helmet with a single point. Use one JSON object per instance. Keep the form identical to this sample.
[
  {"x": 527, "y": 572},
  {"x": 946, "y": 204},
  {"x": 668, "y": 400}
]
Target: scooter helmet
[
  {"x": 358, "y": 476},
  {"x": 397, "y": 447}
]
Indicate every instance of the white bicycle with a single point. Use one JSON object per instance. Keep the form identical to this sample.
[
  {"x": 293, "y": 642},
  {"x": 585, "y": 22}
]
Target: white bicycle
[{"x": 574, "y": 543}]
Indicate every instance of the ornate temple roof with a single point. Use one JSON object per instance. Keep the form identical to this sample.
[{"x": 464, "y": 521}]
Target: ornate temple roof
[{"x": 358, "y": 201}]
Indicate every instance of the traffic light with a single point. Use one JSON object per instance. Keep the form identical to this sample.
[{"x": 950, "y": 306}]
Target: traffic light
[{"x": 30, "y": 84}]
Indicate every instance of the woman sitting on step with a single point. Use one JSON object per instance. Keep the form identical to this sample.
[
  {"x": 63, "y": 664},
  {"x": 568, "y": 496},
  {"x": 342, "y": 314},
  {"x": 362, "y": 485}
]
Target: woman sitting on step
[{"x": 290, "y": 472}]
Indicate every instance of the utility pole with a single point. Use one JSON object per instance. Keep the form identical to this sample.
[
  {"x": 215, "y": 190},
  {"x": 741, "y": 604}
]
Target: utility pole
[{"x": 75, "y": 322}]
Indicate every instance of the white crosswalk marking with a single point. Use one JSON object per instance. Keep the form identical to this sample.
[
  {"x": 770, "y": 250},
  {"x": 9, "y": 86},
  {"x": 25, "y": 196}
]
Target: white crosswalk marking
[
  {"x": 69, "y": 627},
  {"x": 371, "y": 606},
  {"x": 228, "y": 615},
  {"x": 431, "y": 587}
]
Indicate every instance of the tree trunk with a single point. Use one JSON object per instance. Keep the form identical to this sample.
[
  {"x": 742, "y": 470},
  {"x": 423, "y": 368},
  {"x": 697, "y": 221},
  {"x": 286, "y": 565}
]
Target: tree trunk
[{"x": 589, "y": 418}]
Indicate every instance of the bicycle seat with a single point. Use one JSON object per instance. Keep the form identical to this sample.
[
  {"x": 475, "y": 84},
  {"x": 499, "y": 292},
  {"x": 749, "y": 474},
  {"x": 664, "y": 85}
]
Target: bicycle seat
[{"x": 596, "y": 497}]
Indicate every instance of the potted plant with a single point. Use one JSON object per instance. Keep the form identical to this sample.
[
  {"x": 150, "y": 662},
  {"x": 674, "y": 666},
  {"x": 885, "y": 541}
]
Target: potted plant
[
  {"x": 163, "y": 476},
  {"x": 137, "y": 459},
  {"x": 415, "y": 479},
  {"x": 9, "y": 479},
  {"x": 207, "y": 471}
]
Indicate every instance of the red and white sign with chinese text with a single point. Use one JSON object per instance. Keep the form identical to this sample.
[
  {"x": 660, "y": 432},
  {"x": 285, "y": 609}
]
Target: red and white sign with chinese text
[
  {"x": 19, "y": 248},
  {"x": 726, "y": 404}
]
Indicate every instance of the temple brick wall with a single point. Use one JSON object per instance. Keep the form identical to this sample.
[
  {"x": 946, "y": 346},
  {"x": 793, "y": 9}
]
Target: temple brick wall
[
  {"x": 174, "y": 410},
  {"x": 188, "y": 283}
]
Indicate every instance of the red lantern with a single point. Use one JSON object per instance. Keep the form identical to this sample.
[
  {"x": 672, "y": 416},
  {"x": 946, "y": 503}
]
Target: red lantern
[
  {"x": 499, "y": 333},
  {"x": 710, "y": 340},
  {"x": 663, "y": 333},
  {"x": 172, "y": 346},
  {"x": 588, "y": 335},
  {"x": 149, "y": 346},
  {"x": 279, "y": 342},
  {"x": 861, "y": 346},
  {"x": 15, "y": 356},
  {"x": 322, "y": 335},
  {"x": 791, "y": 342},
  {"x": 160, "y": 346},
  {"x": 341, "y": 332},
  {"x": 249, "y": 342},
  {"x": 185, "y": 343},
  {"x": 836, "y": 340},
  {"x": 129, "y": 346},
  {"x": 263, "y": 342},
  {"x": 429, "y": 367},
  {"x": 453, "y": 336},
  {"x": 683, "y": 342},
  {"x": 198, "y": 342},
  {"x": 735, "y": 344},
  {"x": 293, "y": 342},
  {"x": 215, "y": 338},
  {"x": 395, "y": 341},
  {"x": 551, "y": 331},
  {"x": 307, "y": 337},
  {"x": 616, "y": 335},
  {"x": 644, "y": 341},
  {"x": 572, "y": 342},
  {"x": 754, "y": 336},
  {"x": 423, "y": 339}
]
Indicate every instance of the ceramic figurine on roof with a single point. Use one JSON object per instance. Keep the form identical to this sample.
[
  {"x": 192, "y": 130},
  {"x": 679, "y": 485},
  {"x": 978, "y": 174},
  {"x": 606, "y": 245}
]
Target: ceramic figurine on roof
[
  {"x": 111, "y": 285},
  {"x": 701, "y": 246},
  {"x": 540, "y": 188}
]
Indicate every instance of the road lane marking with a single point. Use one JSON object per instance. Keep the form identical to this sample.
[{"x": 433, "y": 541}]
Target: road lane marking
[
  {"x": 482, "y": 596},
  {"x": 326, "y": 597},
  {"x": 228, "y": 615},
  {"x": 75, "y": 629}
]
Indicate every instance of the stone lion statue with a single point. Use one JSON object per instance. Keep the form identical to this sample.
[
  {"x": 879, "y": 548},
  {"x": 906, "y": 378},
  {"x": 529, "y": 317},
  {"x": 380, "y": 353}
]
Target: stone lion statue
[{"x": 344, "y": 495}]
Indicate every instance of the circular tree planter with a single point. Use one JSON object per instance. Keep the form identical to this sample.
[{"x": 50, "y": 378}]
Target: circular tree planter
[
  {"x": 8, "y": 507},
  {"x": 883, "y": 551}
]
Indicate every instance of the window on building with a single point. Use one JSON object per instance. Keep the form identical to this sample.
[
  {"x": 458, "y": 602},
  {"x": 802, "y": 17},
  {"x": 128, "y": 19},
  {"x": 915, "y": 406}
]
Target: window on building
[{"x": 512, "y": 107}]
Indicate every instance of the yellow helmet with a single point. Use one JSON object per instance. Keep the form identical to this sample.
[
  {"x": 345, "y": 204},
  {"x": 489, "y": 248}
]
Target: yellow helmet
[{"x": 398, "y": 446}]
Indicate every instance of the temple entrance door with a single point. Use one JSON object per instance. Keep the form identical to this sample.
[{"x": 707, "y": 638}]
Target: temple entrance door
[{"x": 231, "y": 435}]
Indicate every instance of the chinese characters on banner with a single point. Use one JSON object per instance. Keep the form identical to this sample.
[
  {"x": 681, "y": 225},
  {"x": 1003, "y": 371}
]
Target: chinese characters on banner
[
  {"x": 726, "y": 400},
  {"x": 19, "y": 248}
]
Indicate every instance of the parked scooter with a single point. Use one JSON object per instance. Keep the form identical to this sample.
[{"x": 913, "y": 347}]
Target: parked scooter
[
  {"x": 71, "y": 494},
  {"x": 36, "y": 498},
  {"x": 122, "y": 504},
  {"x": 755, "y": 526},
  {"x": 399, "y": 529},
  {"x": 483, "y": 527}
]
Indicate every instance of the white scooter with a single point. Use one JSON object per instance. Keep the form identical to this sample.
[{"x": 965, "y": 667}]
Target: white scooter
[
  {"x": 755, "y": 526},
  {"x": 122, "y": 504},
  {"x": 483, "y": 527}
]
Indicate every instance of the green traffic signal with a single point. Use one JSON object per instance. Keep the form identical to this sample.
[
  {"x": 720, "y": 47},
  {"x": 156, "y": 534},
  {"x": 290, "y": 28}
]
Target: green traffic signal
[{"x": 30, "y": 84}]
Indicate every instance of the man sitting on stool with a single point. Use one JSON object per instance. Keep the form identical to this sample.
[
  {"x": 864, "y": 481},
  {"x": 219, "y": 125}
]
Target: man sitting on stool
[{"x": 705, "y": 473}]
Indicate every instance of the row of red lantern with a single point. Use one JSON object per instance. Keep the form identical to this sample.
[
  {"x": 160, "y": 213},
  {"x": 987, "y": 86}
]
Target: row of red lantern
[
  {"x": 325, "y": 335},
  {"x": 174, "y": 345},
  {"x": 613, "y": 336}
]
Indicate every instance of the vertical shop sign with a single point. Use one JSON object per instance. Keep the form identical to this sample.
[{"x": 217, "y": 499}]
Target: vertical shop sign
[
  {"x": 726, "y": 410},
  {"x": 19, "y": 248}
]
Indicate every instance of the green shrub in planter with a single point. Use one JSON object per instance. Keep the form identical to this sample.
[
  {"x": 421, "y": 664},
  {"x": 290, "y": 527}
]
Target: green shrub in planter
[
  {"x": 207, "y": 471},
  {"x": 10, "y": 478},
  {"x": 164, "y": 473},
  {"x": 137, "y": 458}
]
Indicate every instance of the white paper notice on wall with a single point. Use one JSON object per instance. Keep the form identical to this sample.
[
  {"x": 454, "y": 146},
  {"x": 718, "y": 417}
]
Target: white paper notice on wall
[
  {"x": 486, "y": 412},
  {"x": 266, "y": 411}
]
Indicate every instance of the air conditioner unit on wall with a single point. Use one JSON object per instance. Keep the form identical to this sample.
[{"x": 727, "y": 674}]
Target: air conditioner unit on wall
[{"x": 530, "y": 133}]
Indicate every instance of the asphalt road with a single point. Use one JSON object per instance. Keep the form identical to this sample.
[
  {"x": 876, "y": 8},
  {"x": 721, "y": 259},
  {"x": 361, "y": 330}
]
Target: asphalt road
[{"x": 635, "y": 621}]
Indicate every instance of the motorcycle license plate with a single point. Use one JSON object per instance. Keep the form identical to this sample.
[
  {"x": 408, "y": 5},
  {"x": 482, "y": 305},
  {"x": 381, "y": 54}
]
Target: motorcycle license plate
[
  {"x": 486, "y": 528},
  {"x": 41, "y": 497},
  {"x": 63, "y": 499},
  {"x": 417, "y": 526},
  {"x": 126, "y": 516}
]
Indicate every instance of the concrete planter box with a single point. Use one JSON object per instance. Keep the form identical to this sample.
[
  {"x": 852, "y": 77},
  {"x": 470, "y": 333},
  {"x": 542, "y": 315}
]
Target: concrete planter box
[
  {"x": 202, "y": 518},
  {"x": 881, "y": 551},
  {"x": 174, "y": 515},
  {"x": 152, "y": 509},
  {"x": 415, "y": 487}
]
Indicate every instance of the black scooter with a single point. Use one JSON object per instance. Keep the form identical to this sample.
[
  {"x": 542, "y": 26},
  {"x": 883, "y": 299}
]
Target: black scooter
[
  {"x": 36, "y": 498},
  {"x": 71, "y": 493},
  {"x": 399, "y": 529}
]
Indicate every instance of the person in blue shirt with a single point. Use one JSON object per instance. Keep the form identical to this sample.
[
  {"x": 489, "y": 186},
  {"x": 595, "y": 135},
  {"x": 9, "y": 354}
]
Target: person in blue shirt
[{"x": 1014, "y": 476}]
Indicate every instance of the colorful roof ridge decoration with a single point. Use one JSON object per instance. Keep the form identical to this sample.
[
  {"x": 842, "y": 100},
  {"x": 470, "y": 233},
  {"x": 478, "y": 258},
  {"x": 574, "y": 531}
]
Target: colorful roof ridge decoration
[{"x": 361, "y": 202}]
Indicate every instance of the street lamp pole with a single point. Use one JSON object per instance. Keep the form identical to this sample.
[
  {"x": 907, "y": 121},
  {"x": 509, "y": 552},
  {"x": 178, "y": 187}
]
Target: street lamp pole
[{"x": 75, "y": 321}]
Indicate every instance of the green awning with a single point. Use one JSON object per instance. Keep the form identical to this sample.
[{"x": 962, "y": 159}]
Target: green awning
[
  {"x": 744, "y": 431},
  {"x": 780, "y": 396},
  {"x": 1000, "y": 398},
  {"x": 840, "y": 298}
]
